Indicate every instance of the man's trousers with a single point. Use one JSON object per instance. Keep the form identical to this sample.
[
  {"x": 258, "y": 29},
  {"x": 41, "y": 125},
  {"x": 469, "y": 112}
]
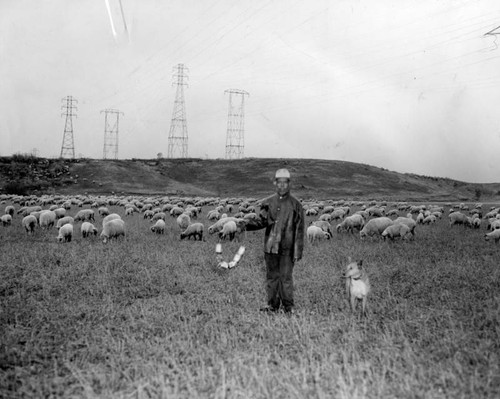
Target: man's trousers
[{"x": 279, "y": 281}]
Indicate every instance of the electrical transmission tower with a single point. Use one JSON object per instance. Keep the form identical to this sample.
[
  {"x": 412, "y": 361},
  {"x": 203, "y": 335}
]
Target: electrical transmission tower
[
  {"x": 178, "y": 136},
  {"x": 235, "y": 138},
  {"x": 111, "y": 119},
  {"x": 68, "y": 145}
]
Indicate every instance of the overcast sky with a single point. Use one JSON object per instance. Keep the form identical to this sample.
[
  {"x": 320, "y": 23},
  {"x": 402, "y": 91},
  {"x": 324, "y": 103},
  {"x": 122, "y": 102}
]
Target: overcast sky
[{"x": 411, "y": 86}]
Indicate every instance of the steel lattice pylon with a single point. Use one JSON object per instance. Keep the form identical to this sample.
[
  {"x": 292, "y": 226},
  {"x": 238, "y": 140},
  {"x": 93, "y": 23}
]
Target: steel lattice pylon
[
  {"x": 235, "y": 137},
  {"x": 111, "y": 120},
  {"x": 68, "y": 145},
  {"x": 178, "y": 136}
]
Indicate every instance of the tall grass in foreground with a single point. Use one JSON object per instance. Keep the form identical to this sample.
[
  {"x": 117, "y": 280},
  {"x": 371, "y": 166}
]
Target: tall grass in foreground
[{"x": 151, "y": 316}]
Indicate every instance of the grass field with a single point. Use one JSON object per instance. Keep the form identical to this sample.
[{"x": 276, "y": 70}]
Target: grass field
[{"x": 150, "y": 316}]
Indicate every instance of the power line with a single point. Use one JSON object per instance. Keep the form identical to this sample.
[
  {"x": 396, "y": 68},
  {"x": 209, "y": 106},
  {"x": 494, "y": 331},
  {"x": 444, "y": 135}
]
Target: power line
[{"x": 68, "y": 145}]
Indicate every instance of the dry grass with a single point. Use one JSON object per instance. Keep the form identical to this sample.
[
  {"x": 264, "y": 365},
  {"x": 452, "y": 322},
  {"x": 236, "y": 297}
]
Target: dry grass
[{"x": 151, "y": 316}]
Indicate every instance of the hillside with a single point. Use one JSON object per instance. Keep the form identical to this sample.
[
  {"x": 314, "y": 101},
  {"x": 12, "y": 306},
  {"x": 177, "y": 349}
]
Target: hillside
[{"x": 312, "y": 178}]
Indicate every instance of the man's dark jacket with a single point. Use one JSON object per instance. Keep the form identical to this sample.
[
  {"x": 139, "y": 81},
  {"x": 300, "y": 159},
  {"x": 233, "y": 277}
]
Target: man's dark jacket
[{"x": 283, "y": 218}]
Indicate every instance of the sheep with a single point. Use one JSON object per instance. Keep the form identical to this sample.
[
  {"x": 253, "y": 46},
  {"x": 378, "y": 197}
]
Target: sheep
[
  {"x": 396, "y": 230},
  {"x": 431, "y": 219},
  {"x": 113, "y": 228},
  {"x": 193, "y": 230},
  {"x": 10, "y": 210},
  {"x": 6, "y": 219},
  {"x": 66, "y": 219},
  {"x": 217, "y": 227},
  {"x": 458, "y": 218},
  {"x": 158, "y": 227},
  {"x": 315, "y": 233},
  {"x": 495, "y": 235},
  {"x": 375, "y": 226},
  {"x": 326, "y": 217},
  {"x": 29, "y": 222},
  {"x": 129, "y": 211},
  {"x": 111, "y": 216},
  {"x": 88, "y": 229},
  {"x": 350, "y": 223},
  {"x": 65, "y": 233},
  {"x": 60, "y": 212},
  {"x": 412, "y": 224},
  {"x": 323, "y": 225},
  {"x": 420, "y": 217},
  {"x": 47, "y": 219},
  {"x": 84, "y": 215},
  {"x": 183, "y": 221},
  {"x": 228, "y": 231},
  {"x": 148, "y": 214},
  {"x": 158, "y": 216},
  {"x": 494, "y": 224},
  {"x": 176, "y": 211},
  {"x": 103, "y": 211}
]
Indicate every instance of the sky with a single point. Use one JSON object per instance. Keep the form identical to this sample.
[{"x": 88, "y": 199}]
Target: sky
[{"x": 412, "y": 86}]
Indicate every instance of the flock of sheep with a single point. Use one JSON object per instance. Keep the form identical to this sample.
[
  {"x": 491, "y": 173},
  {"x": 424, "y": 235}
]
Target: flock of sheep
[{"x": 230, "y": 216}]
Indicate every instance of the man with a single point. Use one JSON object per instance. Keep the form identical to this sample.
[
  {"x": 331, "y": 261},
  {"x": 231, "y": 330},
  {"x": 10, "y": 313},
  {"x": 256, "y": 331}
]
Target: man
[{"x": 283, "y": 217}]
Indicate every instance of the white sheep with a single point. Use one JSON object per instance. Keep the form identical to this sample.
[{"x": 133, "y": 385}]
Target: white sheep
[
  {"x": 375, "y": 226},
  {"x": 420, "y": 217},
  {"x": 66, "y": 219},
  {"x": 60, "y": 212},
  {"x": 6, "y": 219},
  {"x": 193, "y": 230},
  {"x": 113, "y": 229},
  {"x": 228, "y": 231},
  {"x": 158, "y": 216},
  {"x": 183, "y": 221},
  {"x": 29, "y": 222},
  {"x": 88, "y": 229},
  {"x": 458, "y": 218},
  {"x": 412, "y": 224},
  {"x": 315, "y": 233},
  {"x": 65, "y": 233},
  {"x": 10, "y": 210},
  {"x": 431, "y": 219},
  {"x": 350, "y": 223},
  {"x": 494, "y": 224},
  {"x": 159, "y": 227},
  {"x": 217, "y": 226},
  {"x": 84, "y": 215},
  {"x": 47, "y": 219},
  {"x": 103, "y": 211},
  {"x": 493, "y": 235},
  {"x": 111, "y": 216},
  {"x": 323, "y": 225},
  {"x": 396, "y": 230}
]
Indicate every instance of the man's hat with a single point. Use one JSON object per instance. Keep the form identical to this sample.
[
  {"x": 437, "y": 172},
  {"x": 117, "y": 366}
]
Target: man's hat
[{"x": 282, "y": 174}]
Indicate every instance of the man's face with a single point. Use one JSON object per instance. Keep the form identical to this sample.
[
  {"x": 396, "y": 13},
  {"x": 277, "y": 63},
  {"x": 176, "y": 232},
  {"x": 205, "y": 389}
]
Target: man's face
[{"x": 282, "y": 186}]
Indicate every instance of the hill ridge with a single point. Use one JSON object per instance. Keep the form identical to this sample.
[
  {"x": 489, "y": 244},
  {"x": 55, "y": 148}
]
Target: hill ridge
[{"x": 311, "y": 178}]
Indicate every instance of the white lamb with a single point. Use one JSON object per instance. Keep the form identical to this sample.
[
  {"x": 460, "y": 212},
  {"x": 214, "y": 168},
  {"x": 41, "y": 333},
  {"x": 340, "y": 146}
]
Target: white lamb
[
  {"x": 10, "y": 210},
  {"x": 396, "y": 230},
  {"x": 6, "y": 219},
  {"x": 113, "y": 229},
  {"x": 315, "y": 234},
  {"x": 375, "y": 226},
  {"x": 193, "y": 230},
  {"x": 88, "y": 229},
  {"x": 159, "y": 227},
  {"x": 29, "y": 222},
  {"x": 493, "y": 235},
  {"x": 65, "y": 233}
]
